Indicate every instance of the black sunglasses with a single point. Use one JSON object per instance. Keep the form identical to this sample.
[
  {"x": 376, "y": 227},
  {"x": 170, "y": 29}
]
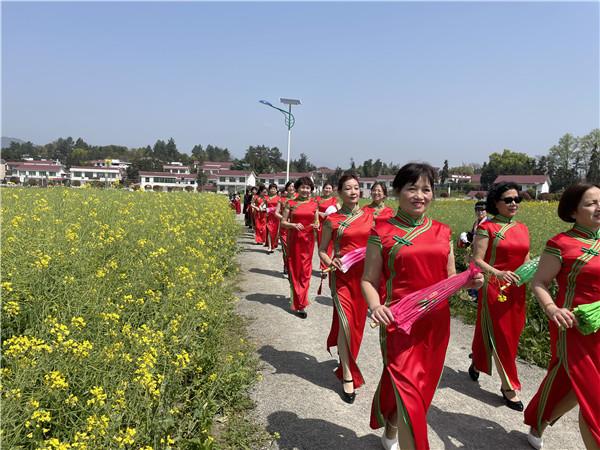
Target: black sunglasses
[{"x": 509, "y": 200}]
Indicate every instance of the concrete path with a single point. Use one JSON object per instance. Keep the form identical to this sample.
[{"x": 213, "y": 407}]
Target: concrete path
[{"x": 299, "y": 395}]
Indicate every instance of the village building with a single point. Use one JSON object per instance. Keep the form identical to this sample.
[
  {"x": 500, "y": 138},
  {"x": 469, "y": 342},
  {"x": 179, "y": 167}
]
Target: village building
[
  {"x": 176, "y": 167},
  {"x": 279, "y": 178},
  {"x": 103, "y": 174},
  {"x": 167, "y": 181},
  {"x": 231, "y": 181},
  {"x": 42, "y": 170},
  {"x": 540, "y": 184}
]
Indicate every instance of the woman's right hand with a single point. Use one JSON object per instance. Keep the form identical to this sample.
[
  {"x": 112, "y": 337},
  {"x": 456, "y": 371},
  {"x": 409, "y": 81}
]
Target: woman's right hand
[
  {"x": 382, "y": 314},
  {"x": 299, "y": 226},
  {"x": 562, "y": 317},
  {"x": 507, "y": 276}
]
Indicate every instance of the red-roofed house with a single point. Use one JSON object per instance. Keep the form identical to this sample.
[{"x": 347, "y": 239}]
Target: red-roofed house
[
  {"x": 230, "y": 181},
  {"x": 541, "y": 183},
  {"x": 37, "y": 170},
  {"x": 213, "y": 167},
  {"x": 176, "y": 167},
  {"x": 279, "y": 178}
]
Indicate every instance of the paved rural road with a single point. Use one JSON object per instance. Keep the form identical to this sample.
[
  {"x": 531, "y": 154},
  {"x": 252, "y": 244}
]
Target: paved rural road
[{"x": 299, "y": 395}]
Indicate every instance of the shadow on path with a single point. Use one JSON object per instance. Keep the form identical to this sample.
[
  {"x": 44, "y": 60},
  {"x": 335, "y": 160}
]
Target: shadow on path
[
  {"x": 301, "y": 365},
  {"x": 458, "y": 430},
  {"x": 460, "y": 382},
  {"x": 311, "y": 434},
  {"x": 271, "y": 273},
  {"x": 323, "y": 300},
  {"x": 281, "y": 301}
]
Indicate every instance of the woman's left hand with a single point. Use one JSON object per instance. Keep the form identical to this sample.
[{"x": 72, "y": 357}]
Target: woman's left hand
[
  {"x": 337, "y": 263},
  {"x": 476, "y": 282}
]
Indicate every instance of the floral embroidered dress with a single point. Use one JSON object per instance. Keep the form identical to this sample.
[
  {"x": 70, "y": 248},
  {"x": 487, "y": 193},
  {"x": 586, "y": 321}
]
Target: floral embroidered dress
[
  {"x": 324, "y": 203},
  {"x": 301, "y": 245},
  {"x": 349, "y": 231},
  {"x": 415, "y": 255},
  {"x": 272, "y": 225},
  {"x": 575, "y": 361},
  {"x": 500, "y": 323}
]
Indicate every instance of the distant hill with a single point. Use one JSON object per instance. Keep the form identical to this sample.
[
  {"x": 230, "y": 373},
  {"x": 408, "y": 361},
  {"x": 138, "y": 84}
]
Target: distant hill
[{"x": 7, "y": 140}]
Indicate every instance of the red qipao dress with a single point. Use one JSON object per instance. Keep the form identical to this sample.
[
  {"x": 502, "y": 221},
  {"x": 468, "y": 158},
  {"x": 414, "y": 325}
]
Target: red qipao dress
[
  {"x": 381, "y": 213},
  {"x": 500, "y": 323},
  {"x": 324, "y": 203},
  {"x": 260, "y": 220},
  {"x": 575, "y": 361},
  {"x": 349, "y": 231},
  {"x": 272, "y": 219},
  {"x": 414, "y": 255},
  {"x": 301, "y": 245},
  {"x": 283, "y": 232}
]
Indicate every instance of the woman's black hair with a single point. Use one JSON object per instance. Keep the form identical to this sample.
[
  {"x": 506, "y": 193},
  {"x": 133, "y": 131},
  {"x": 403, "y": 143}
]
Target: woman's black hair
[
  {"x": 344, "y": 178},
  {"x": 261, "y": 188},
  {"x": 381, "y": 185},
  {"x": 273, "y": 185},
  {"x": 410, "y": 174},
  {"x": 327, "y": 184},
  {"x": 304, "y": 180},
  {"x": 495, "y": 193},
  {"x": 254, "y": 187},
  {"x": 480, "y": 204},
  {"x": 569, "y": 200},
  {"x": 287, "y": 185}
]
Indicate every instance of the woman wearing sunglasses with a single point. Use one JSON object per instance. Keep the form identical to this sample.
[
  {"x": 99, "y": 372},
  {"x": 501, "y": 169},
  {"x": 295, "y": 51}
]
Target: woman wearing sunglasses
[{"x": 500, "y": 246}]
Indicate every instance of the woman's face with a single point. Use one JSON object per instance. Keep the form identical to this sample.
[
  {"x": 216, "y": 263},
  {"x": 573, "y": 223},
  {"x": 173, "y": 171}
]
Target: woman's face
[
  {"x": 414, "y": 199},
  {"x": 253, "y": 191},
  {"x": 291, "y": 189},
  {"x": 350, "y": 192},
  {"x": 377, "y": 194},
  {"x": 272, "y": 191},
  {"x": 304, "y": 190},
  {"x": 327, "y": 190},
  {"x": 511, "y": 208},
  {"x": 588, "y": 209},
  {"x": 263, "y": 192}
]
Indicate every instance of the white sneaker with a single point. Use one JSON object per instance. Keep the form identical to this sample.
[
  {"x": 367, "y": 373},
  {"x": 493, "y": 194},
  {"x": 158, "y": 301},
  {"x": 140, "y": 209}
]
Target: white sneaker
[
  {"x": 534, "y": 441},
  {"x": 389, "y": 444}
]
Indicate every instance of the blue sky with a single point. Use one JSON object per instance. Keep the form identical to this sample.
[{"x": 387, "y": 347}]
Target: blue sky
[{"x": 393, "y": 80}]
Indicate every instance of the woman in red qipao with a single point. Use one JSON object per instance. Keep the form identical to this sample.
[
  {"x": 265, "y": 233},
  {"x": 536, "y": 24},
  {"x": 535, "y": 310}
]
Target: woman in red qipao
[
  {"x": 411, "y": 252},
  {"x": 300, "y": 218},
  {"x": 272, "y": 202},
  {"x": 377, "y": 205},
  {"x": 348, "y": 229},
  {"x": 500, "y": 246},
  {"x": 260, "y": 215},
  {"x": 289, "y": 194},
  {"x": 573, "y": 259},
  {"x": 326, "y": 202}
]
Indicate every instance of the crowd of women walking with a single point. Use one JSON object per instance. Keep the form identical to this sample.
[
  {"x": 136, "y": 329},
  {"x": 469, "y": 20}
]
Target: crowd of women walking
[{"x": 374, "y": 258}]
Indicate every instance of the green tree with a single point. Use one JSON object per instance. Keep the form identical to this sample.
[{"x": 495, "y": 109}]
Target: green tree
[
  {"x": 444, "y": 175},
  {"x": 593, "y": 173},
  {"x": 506, "y": 163},
  {"x": 563, "y": 162},
  {"x": 302, "y": 164}
]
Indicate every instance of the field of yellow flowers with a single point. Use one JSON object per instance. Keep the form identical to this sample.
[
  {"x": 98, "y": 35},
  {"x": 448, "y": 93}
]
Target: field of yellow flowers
[{"x": 117, "y": 319}]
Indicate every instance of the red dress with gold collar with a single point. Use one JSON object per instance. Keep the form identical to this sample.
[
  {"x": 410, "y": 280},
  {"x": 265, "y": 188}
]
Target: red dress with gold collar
[
  {"x": 414, "y": 255},
  {"x": 575, "y": 362},
  {"x": 349, "y": 231},
  {"x": 260, "y": 220},
  {"x": 500, "y": 323},
  {"x": 301, "y": 245},
  {"x": 272, "y": 225}
]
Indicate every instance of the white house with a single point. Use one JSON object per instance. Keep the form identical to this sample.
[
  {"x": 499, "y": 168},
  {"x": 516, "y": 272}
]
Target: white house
[
  {"x": 230, "y": 181},
  {"x": 213, "y": 167},
  {"x": 41, "y": 170},
  {"x": 540, "y": 183},
  {"x": 166, "y": 181},
  {"x": 84, "y": 174},
  {"x": 112, "y": 163},
  {"x": 176, "y": 167},
  {"x": 366, "y": 183},
  {"x": 279, "y": 178}
]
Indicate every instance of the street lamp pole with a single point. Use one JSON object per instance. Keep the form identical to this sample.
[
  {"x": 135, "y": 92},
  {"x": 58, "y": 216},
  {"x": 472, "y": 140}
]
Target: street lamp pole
[{"x": 289, "y": 122}]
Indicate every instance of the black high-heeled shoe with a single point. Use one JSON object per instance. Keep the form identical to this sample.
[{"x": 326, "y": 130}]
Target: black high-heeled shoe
[
  {"x": 516, "y": 406},
  {"x": 473, "y": 373},
  {"x": 348, "y": 398}
]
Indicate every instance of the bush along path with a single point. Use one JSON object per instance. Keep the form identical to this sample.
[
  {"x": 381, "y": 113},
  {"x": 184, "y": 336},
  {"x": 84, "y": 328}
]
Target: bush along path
[{"x": 298, "y": 400}]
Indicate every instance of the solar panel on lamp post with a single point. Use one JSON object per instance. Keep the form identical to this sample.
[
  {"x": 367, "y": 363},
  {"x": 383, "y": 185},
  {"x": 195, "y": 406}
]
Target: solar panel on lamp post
[{"x": 289, "y": 122}]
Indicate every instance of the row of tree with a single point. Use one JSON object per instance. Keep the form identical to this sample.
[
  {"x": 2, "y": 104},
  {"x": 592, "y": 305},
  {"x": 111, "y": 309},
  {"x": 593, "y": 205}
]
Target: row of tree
[{"x": 571, "y": 159}]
